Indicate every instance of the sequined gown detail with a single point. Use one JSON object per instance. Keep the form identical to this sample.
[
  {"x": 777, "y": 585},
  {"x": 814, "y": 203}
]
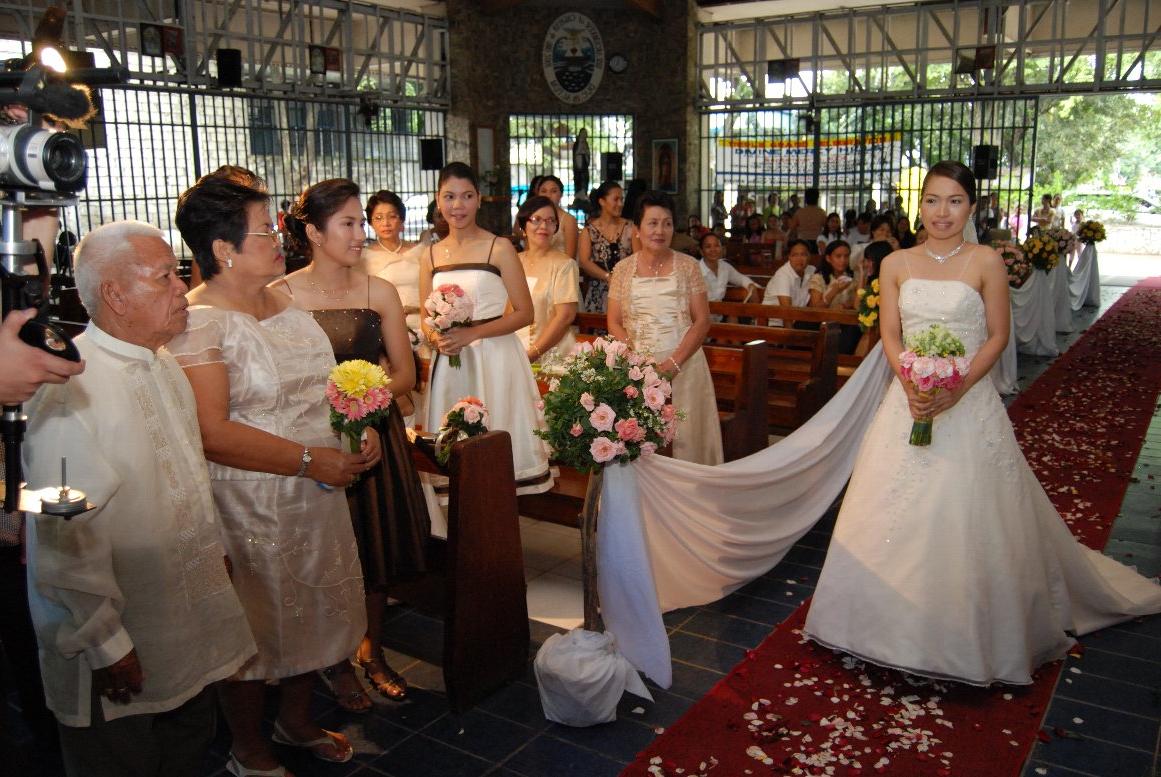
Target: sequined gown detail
[
  {"x": 950, "y": 561},
  {"x": 388, "y": 513}
]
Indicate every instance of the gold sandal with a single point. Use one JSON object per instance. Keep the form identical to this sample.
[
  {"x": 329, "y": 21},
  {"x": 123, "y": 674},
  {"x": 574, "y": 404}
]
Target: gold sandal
[
  {"x": 394, "y": 687},
  {"x": 350, "y": 701}
]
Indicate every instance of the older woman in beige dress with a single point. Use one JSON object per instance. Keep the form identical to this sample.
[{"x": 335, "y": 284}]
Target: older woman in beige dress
[
  {"x": 553, "y": 280},
  {"x": 658, "y": 304}
]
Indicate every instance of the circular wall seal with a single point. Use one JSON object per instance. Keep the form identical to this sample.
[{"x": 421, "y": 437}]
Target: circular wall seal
[{"x": 573, "y": 58}]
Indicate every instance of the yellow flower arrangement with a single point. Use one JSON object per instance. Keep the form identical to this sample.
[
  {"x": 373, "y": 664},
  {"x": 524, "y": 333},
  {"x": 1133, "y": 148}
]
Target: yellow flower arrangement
[
  {"x": 1091, "y": 232},
  {"x": 1042, "y": 251},
  {"x": 356, "y": 377},
  {"x": 869, "y": 305}
]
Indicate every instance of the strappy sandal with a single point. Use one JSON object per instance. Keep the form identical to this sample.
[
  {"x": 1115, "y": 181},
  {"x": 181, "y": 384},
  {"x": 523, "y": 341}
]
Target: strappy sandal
[
  {"x": 349, "y": 701},
  {"x": 394, "y": 687},
  {"x": 235, "y": 767},
  {"x": 319, "y": 747}
]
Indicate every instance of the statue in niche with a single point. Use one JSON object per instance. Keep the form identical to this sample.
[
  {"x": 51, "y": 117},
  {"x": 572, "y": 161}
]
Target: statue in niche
[{"x": 581, "y": 156}]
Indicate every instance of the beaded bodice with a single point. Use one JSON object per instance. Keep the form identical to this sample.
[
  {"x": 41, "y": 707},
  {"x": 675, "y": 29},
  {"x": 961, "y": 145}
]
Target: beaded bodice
[{"x": 956, "y": 305}]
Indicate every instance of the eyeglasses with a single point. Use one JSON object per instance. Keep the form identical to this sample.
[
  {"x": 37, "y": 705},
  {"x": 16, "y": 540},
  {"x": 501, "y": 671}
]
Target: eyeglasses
[
  {"x": 379, "y": 219},
  {"x": 536, "y": 221},
  {"x": 273, "y": 234}
]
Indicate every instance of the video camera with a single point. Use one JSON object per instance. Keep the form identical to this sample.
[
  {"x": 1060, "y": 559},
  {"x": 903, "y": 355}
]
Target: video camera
[{"x": 40, "y": 168}]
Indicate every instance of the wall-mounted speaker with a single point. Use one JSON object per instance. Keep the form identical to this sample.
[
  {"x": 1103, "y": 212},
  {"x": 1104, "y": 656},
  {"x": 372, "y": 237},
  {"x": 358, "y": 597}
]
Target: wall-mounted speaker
[
  {"x": 612, "y": 164},
  {"x": 986, "y": 162},
  {"x": 431, "y": 153},
  {"x": 229, "y": 67}
]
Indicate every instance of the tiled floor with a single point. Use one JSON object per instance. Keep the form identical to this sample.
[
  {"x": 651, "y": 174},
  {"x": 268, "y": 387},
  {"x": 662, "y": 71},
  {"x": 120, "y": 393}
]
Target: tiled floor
[{"x": 1114, "y": 690}]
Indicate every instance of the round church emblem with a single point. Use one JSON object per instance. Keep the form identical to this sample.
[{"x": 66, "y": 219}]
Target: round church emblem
[{"x": 573, "y": 58}]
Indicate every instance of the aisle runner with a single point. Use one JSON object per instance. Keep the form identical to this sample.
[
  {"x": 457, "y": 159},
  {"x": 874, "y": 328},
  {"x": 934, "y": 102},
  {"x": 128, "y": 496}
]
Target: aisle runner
[{"x": 794, "y": 708}]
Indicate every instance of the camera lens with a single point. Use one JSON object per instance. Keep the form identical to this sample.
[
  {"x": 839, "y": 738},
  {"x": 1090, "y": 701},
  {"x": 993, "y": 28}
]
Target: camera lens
[{"x": 64, "y": 162}]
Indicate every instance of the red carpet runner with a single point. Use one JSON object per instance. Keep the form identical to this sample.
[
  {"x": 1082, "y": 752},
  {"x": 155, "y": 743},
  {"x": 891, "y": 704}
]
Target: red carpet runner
[{"x": 794, "y": 708}]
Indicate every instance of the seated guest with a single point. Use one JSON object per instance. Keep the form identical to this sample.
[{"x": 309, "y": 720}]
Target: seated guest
[
  {"x": 754, "y": 229},
  {"x": 832, "y": 232},
  {"x": 791, "y": 284},
  {"x": 694, "y": 227},
  {"x": 683, "y": 242},
  {"x": 862, "y": 231},
  {"x": 903, "y": 230},
  {"x": 833, "y": 287},
  {"x": 554, "y": 281},
  {"x": 719, "y": 273},
  {"x": 871, "y": 261},
  {"x": 881, "y": 228},
  {"x": 132, "y": 602},
  {"x": 774, "y": 234},
  {"x": 258, "y": 367}
]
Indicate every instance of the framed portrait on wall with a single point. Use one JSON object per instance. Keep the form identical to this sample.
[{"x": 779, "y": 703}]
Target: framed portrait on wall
[{"x": 665, "y": 165}]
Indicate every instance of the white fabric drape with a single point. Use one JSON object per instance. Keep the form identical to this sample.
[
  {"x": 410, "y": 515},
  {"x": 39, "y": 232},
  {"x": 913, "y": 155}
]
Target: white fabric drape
[
  {"x": 1034, "y": 317},
  {"x": 1004, "y": 372},
  {"x": 1084, "y": 284},
  {"x": 676, "y": 534},
  {"x": 1061, "y": 304}
]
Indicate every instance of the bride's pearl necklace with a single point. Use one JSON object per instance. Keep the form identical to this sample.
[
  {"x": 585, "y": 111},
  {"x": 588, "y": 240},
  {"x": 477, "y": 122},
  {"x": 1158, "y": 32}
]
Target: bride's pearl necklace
[{"x": 942, "y": 258}]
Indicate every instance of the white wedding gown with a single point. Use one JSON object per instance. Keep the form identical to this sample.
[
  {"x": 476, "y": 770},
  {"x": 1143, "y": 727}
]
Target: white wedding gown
[{"x": 949, "y": 560}]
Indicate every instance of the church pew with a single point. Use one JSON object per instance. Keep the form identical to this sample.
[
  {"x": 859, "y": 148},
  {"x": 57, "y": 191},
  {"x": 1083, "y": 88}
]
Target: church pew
[{"x": 476, "y": 575}]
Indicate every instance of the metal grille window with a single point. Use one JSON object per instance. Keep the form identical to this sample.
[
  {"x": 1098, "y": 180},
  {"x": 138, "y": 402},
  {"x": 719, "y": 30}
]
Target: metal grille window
[
  {"x": 857, "y": 153},
  {"x": 154, "y": 143},
  {"x": 546, "y": 144}
]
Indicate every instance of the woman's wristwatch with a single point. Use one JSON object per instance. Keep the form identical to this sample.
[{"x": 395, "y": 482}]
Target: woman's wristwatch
[{"x": 304, "y": 463}]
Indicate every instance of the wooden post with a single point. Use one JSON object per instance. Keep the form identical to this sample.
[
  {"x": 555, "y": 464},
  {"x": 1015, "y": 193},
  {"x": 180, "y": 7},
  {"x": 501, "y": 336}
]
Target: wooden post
[{"x": 589, "y": 515}]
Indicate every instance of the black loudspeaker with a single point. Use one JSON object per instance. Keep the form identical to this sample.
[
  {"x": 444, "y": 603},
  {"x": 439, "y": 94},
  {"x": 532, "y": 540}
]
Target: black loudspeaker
[
  {"x": 229, "y": 67},
  {"x": 431, "y": 153},
  {"x": 611, "y": 166},
  {"x": 986, "y": 162}
]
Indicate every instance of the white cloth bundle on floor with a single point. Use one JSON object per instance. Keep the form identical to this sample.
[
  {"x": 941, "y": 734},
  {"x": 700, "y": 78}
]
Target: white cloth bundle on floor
[{"x": 581, "y": 677}]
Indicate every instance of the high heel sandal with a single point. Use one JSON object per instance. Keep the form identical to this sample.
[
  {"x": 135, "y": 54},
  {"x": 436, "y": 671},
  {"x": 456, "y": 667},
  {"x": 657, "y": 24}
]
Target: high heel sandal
[
  {"x": 394, "y": 687},
  {"x": 348, "y": 701},
  {"x": 316, "y": 746},
  {"x": 235, "y": 767}
]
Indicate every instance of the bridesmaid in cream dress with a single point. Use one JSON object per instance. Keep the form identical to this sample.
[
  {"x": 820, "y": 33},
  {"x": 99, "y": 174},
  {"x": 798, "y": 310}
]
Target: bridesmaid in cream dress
[
  {"x": 658, "y": 303},
  {"x": 553, "y": 280}
]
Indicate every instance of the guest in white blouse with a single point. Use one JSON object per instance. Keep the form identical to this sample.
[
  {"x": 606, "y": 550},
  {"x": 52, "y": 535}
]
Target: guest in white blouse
[
  {"x": 720, "y": 274},
  {"x": 133, "y": 606},
  {"x": 553, "y": 280},
  {"x": 791, "y": 284}
]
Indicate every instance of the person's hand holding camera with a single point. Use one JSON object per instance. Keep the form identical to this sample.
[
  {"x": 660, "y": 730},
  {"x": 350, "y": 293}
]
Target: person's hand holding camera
[{"x": 25, "y": 367}]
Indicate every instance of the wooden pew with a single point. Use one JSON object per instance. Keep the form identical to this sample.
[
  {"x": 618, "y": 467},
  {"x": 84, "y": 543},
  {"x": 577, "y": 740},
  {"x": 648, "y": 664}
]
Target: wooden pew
[
  {"x": 740, "y": 376},
  {"x": 476, "y": 576},
  {"x": 802, "y": 367}
]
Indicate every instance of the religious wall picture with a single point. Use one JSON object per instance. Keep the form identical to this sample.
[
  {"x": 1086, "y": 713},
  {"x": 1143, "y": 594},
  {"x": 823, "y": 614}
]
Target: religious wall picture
[
  {"x": 151, "y": 40},
  {"x": 665, "y": 165}
]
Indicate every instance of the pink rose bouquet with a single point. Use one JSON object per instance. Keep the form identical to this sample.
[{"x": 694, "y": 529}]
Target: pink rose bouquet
[
  {"x": 609, "y": 404},
  {"x": 359, "y": 397},
  {"x": 448, "y": 306},
  {"x": 466, "y": 418},
  {"x": 1015, "y": 262},
  {"x": 934, "y": 361}
]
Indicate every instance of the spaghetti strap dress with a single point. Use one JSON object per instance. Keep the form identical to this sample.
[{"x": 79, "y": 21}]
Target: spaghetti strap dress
[{"x": 495, "y": 370}]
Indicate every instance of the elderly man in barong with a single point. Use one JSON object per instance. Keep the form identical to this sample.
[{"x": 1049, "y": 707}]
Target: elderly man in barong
[{"x": 132, "y": 601}]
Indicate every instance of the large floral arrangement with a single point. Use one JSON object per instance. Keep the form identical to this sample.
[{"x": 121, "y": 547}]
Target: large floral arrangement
[
  {"x": 1017, "y": 264},
  {"x": 1091, "y": 232},
  {"x": 1042, "y": 250},
  {"x": 869, "y": 305},
  {"x": 610, "y": 404},
  {"x": 934, "y": 361},
  {"x": 359, "y": 397},
  {"x": 448, "y": 306},
  {"x": 466, "y": 418},
  {"x": 1065, "y": 240}
]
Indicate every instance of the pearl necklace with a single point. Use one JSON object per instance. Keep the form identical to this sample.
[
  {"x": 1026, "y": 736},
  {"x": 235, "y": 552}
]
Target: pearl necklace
[
  {"x": 942, "y": 258},
  {"x": 394, "y": 250}
]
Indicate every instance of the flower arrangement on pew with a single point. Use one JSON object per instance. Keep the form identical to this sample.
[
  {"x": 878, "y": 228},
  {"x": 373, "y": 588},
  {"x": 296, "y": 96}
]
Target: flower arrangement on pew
[
  {"x": 1065, "y": 240},
  {"x": 448, "y": 306},
  {"x": 1017, "y": 264},
  {"x": 869, "y": 306},
  {"x": 468, "y": 417},
  {"x": 1042, "y": 251},
  {"x": 1091, "y": 232},
  {"x": 934, "y": 361},
  {"x": 359, "y": 397},
  {"x": 610, "y": 404}
]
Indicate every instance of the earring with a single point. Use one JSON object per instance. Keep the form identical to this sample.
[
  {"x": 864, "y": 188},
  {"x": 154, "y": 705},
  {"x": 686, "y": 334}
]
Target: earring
[{"x": 229, "y": 263}]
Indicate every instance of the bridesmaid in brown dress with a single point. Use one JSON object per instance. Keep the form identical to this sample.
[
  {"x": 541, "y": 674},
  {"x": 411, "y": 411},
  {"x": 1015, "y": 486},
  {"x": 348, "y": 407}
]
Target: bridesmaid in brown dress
[{"x": 364, "y": 319}]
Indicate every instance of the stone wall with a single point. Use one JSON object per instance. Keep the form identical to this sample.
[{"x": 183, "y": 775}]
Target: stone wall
[{"x": 496, "y": 71}]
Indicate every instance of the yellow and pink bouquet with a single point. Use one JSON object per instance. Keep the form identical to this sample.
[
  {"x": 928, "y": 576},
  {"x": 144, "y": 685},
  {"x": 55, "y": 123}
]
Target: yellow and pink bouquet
[
  {"x": 1017, "y": 264},
  {"x": 448, "y": 306},
  {"x": 610, "y": 404},
  {"x": 359, "y": 397},
  {"x": 466, "y": 418},
  {"x": 934, "y": 361}
]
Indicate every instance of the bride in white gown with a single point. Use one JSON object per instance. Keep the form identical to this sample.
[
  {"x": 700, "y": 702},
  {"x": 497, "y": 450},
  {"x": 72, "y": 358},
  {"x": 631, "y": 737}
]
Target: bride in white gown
[{"x": 949, "y": 560}]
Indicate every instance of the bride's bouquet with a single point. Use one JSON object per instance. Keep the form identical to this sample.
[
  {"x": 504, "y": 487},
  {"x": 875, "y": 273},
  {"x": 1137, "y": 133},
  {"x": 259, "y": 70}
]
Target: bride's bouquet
[
  {"x": 359, "y": 397},
  {"x": 934, "y": 361},
  {"x": 466, "y": 418},
  {"x": 610, "y": 404},
  {"x": 447, "y": 307}
]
